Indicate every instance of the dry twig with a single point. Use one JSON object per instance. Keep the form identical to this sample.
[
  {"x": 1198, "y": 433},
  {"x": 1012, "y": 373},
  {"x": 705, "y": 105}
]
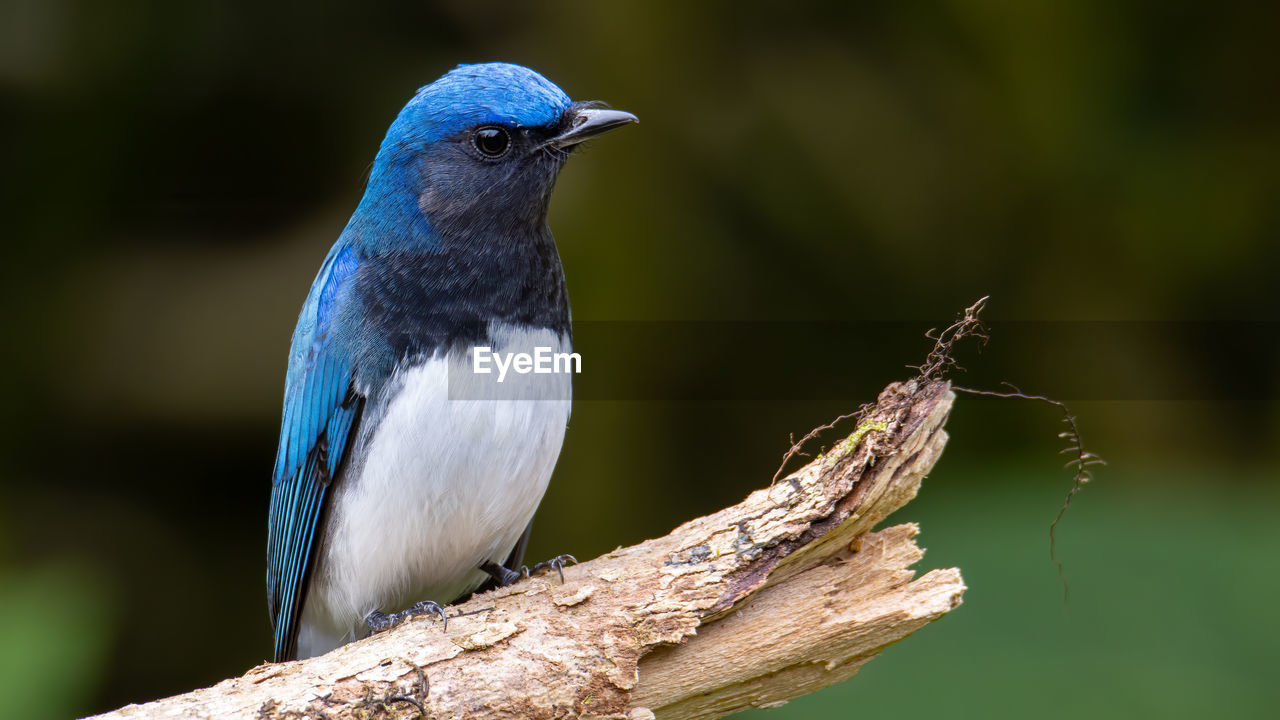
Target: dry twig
[{"x": 777, "y": 596}]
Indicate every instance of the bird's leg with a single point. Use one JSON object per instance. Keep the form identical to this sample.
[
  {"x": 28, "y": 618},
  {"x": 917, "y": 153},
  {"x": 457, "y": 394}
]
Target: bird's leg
[
  {"x": 505, "y": 576},
  {"x": 380, "y": 622}
]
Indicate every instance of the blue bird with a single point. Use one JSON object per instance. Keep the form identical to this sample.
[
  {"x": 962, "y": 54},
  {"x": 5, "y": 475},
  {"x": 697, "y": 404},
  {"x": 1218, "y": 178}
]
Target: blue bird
[{"x": 404, "y": 475}]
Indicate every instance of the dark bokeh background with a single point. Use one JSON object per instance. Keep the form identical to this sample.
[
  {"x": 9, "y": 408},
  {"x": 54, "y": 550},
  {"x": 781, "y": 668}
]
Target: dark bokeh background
[{"x": 809, "y": 190}]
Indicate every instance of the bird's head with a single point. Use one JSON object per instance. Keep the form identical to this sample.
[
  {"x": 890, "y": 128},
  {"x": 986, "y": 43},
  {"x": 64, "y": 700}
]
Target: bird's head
[{"x": 483, "y": 146}]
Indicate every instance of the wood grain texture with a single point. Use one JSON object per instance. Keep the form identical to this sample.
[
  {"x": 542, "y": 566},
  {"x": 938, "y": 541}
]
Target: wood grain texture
[{"x": 782, "y": 594}]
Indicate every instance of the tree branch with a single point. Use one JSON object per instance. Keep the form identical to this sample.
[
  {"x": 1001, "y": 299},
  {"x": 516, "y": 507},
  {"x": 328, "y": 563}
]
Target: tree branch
[{"x": 785, "y": 593}]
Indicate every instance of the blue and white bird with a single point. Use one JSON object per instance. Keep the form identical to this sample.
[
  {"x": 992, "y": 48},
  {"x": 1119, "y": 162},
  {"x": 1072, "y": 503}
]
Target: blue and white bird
[{"x": 402, "y": 477}]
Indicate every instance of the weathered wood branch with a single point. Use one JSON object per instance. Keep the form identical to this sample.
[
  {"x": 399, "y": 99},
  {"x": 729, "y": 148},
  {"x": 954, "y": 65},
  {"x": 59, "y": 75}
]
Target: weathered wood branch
[{"x": 782, "y": 594}]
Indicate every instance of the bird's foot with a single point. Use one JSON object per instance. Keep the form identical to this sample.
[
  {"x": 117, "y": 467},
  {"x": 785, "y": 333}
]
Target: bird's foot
[
  {"x": 381, "y": 622},
  {"x": 505, "y": 576},
  {"x": 556, "y": 563}
]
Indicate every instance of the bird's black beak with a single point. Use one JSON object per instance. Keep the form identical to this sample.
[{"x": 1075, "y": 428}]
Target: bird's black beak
[{"x": 582, "y": 123}]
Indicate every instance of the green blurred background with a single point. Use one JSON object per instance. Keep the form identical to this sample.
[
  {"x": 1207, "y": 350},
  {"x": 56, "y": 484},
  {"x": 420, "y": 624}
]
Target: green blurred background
[{"x": 811, "y": 187}]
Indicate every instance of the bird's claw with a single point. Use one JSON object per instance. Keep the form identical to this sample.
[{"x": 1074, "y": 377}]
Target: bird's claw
[
  {"x": 505, "y": 576},
  {"x": 556, "y": 563},
  {"x": 381, "y": 622}
]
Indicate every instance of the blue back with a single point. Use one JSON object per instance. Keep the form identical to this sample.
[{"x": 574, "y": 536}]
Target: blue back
[{"x": 320, "y": 411}]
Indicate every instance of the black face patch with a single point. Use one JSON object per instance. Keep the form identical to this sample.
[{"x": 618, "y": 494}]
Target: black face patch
[
  {"x": 464, "y": 188},
  {"x": 496, "y": 258}
]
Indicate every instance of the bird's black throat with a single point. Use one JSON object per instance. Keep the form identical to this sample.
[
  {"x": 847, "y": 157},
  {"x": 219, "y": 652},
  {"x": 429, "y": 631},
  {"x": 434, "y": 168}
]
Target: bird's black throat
[{"x": 492, "y": 258}]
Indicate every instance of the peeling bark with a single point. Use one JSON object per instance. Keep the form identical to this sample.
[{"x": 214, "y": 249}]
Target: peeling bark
[{"x": 782, "y": 594}]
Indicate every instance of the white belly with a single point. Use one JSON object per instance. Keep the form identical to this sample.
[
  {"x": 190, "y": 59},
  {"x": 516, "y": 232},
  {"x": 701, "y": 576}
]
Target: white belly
[{"x": 449, "y": 479}]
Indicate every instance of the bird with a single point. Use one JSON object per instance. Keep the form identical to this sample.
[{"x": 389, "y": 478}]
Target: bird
[{"x": 405, "y": 477}]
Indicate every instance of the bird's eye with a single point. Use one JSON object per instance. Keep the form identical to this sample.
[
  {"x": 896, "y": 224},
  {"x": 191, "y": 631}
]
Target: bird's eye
[{"x": 491, "y": 142}]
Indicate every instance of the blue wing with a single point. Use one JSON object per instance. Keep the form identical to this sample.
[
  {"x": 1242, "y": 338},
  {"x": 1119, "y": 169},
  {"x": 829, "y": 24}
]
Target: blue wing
[{"x": 321, "y": 410}]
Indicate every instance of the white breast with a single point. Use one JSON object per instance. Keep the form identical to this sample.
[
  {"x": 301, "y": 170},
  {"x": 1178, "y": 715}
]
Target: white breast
[{"x": 449, "y": 479}]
